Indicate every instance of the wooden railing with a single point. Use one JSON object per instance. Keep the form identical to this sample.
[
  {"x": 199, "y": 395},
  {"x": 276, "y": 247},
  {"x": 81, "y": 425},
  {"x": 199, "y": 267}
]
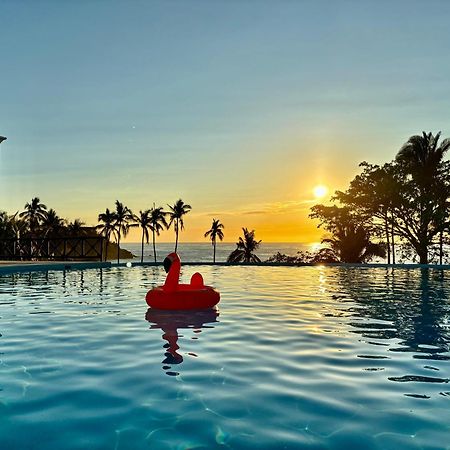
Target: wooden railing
[{"x": 49, "y": 248}]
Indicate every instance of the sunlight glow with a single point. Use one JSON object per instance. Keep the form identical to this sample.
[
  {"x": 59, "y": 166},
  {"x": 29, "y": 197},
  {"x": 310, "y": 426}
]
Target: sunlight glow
[
  {"x": 320, "y": 191},
  {"x": 315, "y": 246}
]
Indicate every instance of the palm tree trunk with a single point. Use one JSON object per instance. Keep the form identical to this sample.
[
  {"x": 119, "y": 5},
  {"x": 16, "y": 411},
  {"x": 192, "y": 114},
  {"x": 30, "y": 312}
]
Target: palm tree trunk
[
  {"x": 118, "y": 247},
  {"x": 142, "y": 247},
  {"x": 388, "y": 244},
  {"x": 441, "y": 247},
  {"x": 393, "y": 243},
  {"x": 154, "y": 247},
  {"x": 214, "y": 254},
  {"x": 176, "y": 235},
  {"x": 106, "y": 248}
]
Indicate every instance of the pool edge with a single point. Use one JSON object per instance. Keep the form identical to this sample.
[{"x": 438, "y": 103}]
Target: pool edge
[{"x": 7, "y": 269}]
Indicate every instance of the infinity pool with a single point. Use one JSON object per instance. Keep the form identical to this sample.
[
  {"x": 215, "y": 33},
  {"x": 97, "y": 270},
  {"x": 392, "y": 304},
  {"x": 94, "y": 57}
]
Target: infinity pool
[{"x": 295, "y": 357}]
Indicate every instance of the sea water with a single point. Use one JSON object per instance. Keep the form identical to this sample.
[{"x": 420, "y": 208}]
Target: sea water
[{"x": 203, "y": 251}]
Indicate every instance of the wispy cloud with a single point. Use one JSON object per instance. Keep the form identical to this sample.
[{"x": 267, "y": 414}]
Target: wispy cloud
[{"x": 270, "y": 208}]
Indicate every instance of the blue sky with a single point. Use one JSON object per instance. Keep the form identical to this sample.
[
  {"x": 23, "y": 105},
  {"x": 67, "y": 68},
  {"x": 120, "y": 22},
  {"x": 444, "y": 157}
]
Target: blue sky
[{"x": 238, "y": 107}]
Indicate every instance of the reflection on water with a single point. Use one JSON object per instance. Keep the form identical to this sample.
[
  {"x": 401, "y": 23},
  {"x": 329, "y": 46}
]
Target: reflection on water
[
  {"x": 404, "y": 312},
  {"x": 172, "y": 321}
]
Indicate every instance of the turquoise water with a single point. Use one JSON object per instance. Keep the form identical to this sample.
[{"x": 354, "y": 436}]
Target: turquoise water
[{"x": 295, "y": 357}]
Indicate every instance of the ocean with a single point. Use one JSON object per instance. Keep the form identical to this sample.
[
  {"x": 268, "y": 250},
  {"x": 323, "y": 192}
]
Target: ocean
[{"x": 203, "y": 251}]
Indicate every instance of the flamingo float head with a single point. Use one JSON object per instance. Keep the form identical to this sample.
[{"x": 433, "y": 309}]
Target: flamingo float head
[
  {"x": 169, "y": 260},
  {"x": 172, "y": 266}
]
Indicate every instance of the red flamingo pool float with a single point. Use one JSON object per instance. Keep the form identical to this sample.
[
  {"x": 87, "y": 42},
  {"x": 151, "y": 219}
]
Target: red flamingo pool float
[{"x": 173, "y": 295}]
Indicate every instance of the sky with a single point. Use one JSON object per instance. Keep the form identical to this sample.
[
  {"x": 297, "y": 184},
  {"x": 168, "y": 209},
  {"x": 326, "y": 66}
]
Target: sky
[{"x": 240, "y": 108}]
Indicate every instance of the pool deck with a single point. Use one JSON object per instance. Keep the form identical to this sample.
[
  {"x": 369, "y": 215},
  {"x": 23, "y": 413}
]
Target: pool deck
[{"x": 10, "y": 267}]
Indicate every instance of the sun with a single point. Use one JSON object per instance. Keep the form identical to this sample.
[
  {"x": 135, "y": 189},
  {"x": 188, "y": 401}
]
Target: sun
[{"x": 320, "y": 191}]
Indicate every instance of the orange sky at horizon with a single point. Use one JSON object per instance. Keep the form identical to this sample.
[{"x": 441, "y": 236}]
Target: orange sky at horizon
[{"x": 272, "y": 222}]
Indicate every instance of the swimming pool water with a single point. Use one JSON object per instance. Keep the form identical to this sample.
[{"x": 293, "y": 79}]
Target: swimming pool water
[{"x": 295, "y": 357}]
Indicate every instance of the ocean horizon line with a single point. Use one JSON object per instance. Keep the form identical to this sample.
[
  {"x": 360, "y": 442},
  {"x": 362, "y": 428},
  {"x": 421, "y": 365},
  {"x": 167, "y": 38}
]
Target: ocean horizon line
[{"x": 222, "y": 242}]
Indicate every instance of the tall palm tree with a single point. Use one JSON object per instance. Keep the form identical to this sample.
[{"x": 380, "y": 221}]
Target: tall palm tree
[
  {"x": 215, "y": 232},
  {"x": 143, "y": 220},
  {"x": 245, "y": 248},
  {"x": 422, "y": 155},
  {"x": 34, "y": 213},
  {"x": 176, "y": 213},
  {"x": 423, "y": 158},
  {"x": 106, "y": 226},
  {"x": 158, "y": 223},
  {"x": 123, "y": 216}
]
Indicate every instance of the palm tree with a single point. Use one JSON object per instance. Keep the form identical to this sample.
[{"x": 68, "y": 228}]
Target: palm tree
[
  {"x": 215, "y": 232},
  {"x": 123, "y": 215},
  {"x": 34, "y": 213},
  {"x": 143, "y": 221},
  {"x": 245, "y": 248},
  {"x": 351, "y": 244},
  {"x": 158, "y": 223},
  {"x": 106, "y": 226},
  {"x": 75, "y": 228},
  {"x": 6, "y": 227},
  {"x": 11, "y": 227},
  {"x": 52, "y": 222},
  {"x": 176, "y": 213},
  {"x": 423, "y": 158},
  {"x": 18, "y": 226},
  {"x": 422, "y": 155}
]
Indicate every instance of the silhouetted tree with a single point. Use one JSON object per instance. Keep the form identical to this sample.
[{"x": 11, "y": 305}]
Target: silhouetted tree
[
  {"x": 176, "y": 213},
  {"x": 106, "y": 227},
  {"x": 428, "y": 187},
  {"x": 351, "y": 240},
  {"x": 52, "y": 223},
  {"x": 245, "y": 248},
  {"x": 422, "y": 156},
  {"x": 215, "y": 232},
  {"x": 121, "y": 224},
  {"x": 375, "y": 194},
  {"x": 143, "y": 220},
  {"x": 75, "y": 228},
  {"x": 6, "y": 227},
  {"x": 158, "y": 223},
  {"x": 407, "y": 198},
  {"x": 34, "y": 213},
  {"x": 17, "y": 226}
]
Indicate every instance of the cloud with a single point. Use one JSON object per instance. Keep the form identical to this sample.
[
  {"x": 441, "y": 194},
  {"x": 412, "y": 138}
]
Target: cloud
[
  {"x": 301, "y": 207},
  {"x": 250, "y": 213}
]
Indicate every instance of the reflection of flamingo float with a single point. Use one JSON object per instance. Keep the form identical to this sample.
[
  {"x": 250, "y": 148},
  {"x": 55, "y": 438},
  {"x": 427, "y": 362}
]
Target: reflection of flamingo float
[
  {"x": 172, "y": 321},
  {"x": 173, "y": 295}
]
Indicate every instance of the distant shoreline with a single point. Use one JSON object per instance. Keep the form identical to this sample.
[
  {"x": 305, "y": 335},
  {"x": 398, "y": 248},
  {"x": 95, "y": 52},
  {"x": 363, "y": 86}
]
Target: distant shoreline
[{"x": 12, "y": 267}]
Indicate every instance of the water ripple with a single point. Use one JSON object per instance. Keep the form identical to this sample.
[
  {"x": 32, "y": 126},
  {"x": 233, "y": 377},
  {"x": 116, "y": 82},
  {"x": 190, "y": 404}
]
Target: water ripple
[{"x": 294, "y": 357}]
